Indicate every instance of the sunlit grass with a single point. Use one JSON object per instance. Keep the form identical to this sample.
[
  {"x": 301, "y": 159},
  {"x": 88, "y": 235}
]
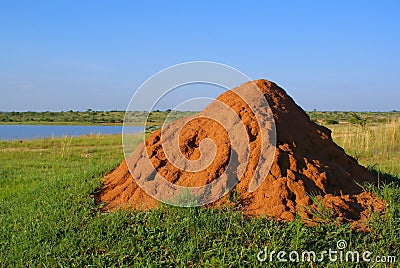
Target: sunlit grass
[{"x": 376, "y": 145}]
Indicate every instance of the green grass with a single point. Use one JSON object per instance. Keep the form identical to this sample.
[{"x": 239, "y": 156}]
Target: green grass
[{"x": 48, "y": 217}]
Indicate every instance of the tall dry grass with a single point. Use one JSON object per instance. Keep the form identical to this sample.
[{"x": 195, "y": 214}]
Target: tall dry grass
[{"x": 374, "y": 145}]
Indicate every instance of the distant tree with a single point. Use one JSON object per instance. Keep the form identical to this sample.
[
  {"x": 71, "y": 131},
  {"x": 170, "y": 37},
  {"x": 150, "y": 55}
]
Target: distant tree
[{"x": 357, "y": 120}]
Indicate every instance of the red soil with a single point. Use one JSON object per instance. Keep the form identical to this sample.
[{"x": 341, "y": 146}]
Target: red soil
[{"x": 306, "y": 163}]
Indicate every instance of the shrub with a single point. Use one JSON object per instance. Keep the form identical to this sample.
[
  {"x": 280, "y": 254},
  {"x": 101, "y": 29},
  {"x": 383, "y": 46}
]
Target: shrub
[{"x": 331, "y": 122}]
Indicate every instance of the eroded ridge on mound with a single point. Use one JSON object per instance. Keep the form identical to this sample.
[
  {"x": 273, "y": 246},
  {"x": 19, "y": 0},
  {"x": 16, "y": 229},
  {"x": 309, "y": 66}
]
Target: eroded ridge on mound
[{"x": 308, "y": 169}]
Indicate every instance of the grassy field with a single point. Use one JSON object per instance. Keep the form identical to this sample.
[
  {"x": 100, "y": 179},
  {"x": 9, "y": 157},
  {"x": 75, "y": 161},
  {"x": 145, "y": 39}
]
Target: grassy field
[{"x": 48, "y": 217}]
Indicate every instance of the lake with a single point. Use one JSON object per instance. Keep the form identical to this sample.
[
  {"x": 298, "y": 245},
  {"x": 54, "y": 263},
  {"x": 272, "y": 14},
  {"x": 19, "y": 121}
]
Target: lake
[{"x": 27, "y": 132}]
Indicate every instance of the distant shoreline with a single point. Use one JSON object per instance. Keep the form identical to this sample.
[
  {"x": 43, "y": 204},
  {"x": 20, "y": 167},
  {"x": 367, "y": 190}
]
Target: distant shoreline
[
  {"x": 157, "y": 118},
  {"x": 88, "y": 118},
  {"x": 45, "y": 123}
]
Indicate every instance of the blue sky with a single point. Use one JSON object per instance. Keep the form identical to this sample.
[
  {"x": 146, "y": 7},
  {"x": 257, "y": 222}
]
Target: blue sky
[{"x": 328, "y": 55}]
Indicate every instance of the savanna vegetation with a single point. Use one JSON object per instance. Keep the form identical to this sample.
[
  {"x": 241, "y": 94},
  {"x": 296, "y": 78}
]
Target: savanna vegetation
[{"x": 90, "y": 117}]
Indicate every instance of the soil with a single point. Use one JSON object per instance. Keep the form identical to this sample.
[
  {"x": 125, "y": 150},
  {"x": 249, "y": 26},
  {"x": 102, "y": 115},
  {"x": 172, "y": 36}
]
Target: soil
[{"x": 310, "y": 176}]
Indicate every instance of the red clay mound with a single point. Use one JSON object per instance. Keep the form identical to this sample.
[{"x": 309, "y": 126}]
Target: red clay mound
[{"x": 308, "y": 170}]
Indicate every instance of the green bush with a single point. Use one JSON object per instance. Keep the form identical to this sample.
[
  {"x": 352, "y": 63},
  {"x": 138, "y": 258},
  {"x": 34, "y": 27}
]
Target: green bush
[{"x": 331, "y": 122}]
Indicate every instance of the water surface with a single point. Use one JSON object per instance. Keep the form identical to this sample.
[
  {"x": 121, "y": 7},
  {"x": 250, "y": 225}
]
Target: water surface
[{"x": 28, "y": 132}]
